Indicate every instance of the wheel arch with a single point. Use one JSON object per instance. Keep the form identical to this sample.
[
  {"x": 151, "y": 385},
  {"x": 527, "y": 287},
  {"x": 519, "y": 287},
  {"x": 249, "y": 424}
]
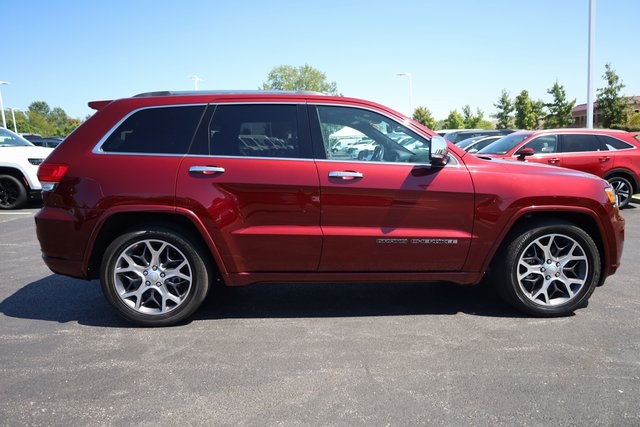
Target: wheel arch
[
  {"x": 530, "y": 220},
  {"x": 120, "y": 222},
  {"x": 624, "y": 173},
  {"x": 16, "y": 173}
]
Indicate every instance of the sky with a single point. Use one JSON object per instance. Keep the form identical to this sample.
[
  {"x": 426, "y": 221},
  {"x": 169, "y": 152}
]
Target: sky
[{"x": 458, "y": 53}]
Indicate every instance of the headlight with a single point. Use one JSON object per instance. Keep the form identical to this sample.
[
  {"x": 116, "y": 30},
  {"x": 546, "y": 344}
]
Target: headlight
[{"x": 611, "y": 194}]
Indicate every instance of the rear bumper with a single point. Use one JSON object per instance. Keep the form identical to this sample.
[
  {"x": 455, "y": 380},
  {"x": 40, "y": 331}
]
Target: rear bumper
[
  {"x": 62, "y": 242},
  {"x": 65, "y": 267}
]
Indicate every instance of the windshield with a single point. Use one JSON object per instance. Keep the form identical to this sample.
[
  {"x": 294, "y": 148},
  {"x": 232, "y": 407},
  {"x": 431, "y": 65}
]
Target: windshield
[
  {"x": 10, "y": 139},
  {"x": 505, "y": 144},
  {"x": 467, "y": 142}
]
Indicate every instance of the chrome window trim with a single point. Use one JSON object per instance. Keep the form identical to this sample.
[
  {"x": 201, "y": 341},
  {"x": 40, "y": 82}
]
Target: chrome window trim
[
  {"x": 97, "y": 149},
  {"x": 213, "y": 156},
  {"x": 454, "y": 161},
  {"x": 632, "y": 147}
]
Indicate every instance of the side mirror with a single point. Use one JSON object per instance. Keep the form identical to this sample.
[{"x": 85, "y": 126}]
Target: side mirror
[
  {"x": 525, "y": 152},
  {"x": 439, "y": 151}
]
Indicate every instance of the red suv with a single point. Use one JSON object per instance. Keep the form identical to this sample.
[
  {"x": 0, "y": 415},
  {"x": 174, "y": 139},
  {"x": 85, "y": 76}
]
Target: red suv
[
  {"x": 611, "y": 154},
  {"x": 161, "y": 194}
]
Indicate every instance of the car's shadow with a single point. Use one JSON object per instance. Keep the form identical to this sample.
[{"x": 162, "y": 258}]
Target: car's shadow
[{"x": 62, "y": 299}]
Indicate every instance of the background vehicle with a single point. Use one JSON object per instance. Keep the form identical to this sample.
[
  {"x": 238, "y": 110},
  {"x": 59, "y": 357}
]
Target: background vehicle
[
  {"x": 476, "y": 143},
  {"x": 51, "y": 141},
  {"x": 460, "y": 135},
  {"x": 19, "y": 160},
  {"x": 245, "y": 187},
  {"x": 611, "y": 154}
]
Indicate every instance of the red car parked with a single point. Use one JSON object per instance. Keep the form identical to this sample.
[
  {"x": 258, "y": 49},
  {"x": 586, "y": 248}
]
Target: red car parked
[
  {"x": 610, "y": 154},
  {"x": 160, "y": 194}
]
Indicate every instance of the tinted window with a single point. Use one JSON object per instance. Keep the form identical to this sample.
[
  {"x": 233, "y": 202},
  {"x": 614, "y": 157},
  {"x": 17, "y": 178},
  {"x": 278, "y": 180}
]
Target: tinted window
[
  {"x": 577, "y": 143},
  {"x": 611, "y": 143},
  {"x": 252, "y": 130},
  {"x": 543, "y": 144},
  {"x": 504, "y": 145},
  {"x": 167, "y": 130}
]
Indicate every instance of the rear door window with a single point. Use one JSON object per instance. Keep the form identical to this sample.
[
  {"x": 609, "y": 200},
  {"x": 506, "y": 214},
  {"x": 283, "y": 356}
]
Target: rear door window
[
  {"x": 252, "y": 130},
  {"x": 580, "y": 143}
]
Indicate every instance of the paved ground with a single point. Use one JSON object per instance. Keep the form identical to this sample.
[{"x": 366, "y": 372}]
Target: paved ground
[{"x": 313, "y": 355}]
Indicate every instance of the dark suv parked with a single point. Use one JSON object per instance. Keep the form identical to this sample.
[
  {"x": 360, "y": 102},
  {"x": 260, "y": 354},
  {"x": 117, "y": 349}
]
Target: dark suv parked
[
  {"x": 160, "y": 194},
  {"x": 461, "y": 135}
]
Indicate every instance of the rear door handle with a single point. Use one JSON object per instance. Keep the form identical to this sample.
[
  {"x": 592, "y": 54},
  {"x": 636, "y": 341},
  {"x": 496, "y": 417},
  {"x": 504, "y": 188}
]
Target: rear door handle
[
  {"x": 345, "y": 175},
  {"x": 604, "y": 159},
  {"x": 206, "y": 170}
]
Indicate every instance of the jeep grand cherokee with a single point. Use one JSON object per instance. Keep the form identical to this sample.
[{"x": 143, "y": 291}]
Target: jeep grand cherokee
[{"x": 161, "y": 194}]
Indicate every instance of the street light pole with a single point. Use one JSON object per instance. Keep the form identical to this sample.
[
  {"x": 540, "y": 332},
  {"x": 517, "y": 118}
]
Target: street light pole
[
  {"x": 408, "y": 75},
  {"x": 195, "y": 79},
  {"x": 592, "y": 29},
  {"x": 13, "y": 116},
  {"x": 4, "y": 120}
]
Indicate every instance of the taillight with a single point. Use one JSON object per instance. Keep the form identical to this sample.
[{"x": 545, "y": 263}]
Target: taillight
[{"x": 50, "y": 174}]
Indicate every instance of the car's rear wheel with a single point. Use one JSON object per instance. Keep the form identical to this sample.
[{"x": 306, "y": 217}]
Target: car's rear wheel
[
  {"x": 154, "y": 276},
  {"x": 549, "y": 270},
  {"x": 13, "y": 195},
  {"x": 623, "y": 189}
]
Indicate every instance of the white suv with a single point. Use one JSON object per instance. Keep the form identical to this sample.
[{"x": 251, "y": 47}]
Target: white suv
[{"x": 19, "y": 161}]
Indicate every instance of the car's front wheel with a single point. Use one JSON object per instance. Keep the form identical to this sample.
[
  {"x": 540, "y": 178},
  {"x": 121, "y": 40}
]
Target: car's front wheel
[
  {"x": 154, "y": 276},
  {"x": 548, "y": 270},
  {"x": 13, "y": 195}
]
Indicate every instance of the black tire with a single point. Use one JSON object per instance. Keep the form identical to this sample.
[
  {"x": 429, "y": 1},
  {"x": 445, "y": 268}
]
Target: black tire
[
  {"x": 154, "y": 276},
  {"x": 552, "y": 281},
  {"x": 13, "y": 194},
  {"x": 623, "y": 188}
]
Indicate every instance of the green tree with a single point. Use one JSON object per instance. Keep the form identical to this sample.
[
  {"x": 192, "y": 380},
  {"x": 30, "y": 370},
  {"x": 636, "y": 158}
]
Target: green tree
[
  {"x": 472, "y": 121},
  {"x": 612, "y": 105},
  {"x": 505, "y": 109},
  {"x": 559, "y": 109},
  {"x": 454, "y": 121},
  {"x": 286, "y": 77},
  {"x": 43, "y": 120},
  {"x": 423, "y": 115},
  {"x": 633, "y": 123},
  {"x": 527, "y": 111},
  {"x": 40, "y": 107}
]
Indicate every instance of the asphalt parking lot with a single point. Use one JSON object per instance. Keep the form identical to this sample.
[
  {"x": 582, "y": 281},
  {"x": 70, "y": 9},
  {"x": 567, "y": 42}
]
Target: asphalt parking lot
[{"x": 346, "y": 355}]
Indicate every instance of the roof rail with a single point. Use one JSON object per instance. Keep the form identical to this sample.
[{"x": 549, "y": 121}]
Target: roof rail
[{"x": 227, "y": 92}]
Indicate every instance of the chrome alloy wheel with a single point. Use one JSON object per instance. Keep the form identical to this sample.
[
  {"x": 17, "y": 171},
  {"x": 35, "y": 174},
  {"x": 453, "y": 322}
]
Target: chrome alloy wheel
[
  {"x": 152, "y": 277},
  {"x": 623, "y": 190},
  {"x": 552, "y": 270}
]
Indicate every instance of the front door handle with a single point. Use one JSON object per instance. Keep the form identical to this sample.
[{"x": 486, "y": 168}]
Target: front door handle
[
  {"x": 345, "y": 175},
  {"x": 206, "y": 170},
  {"x": 554, "y": 161}
]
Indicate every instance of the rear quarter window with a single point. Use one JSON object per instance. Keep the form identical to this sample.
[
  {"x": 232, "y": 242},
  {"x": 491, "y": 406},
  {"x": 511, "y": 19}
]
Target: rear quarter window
[
  {"x": 611, "y": 143},
  {"x": 163, "y": 130}
]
